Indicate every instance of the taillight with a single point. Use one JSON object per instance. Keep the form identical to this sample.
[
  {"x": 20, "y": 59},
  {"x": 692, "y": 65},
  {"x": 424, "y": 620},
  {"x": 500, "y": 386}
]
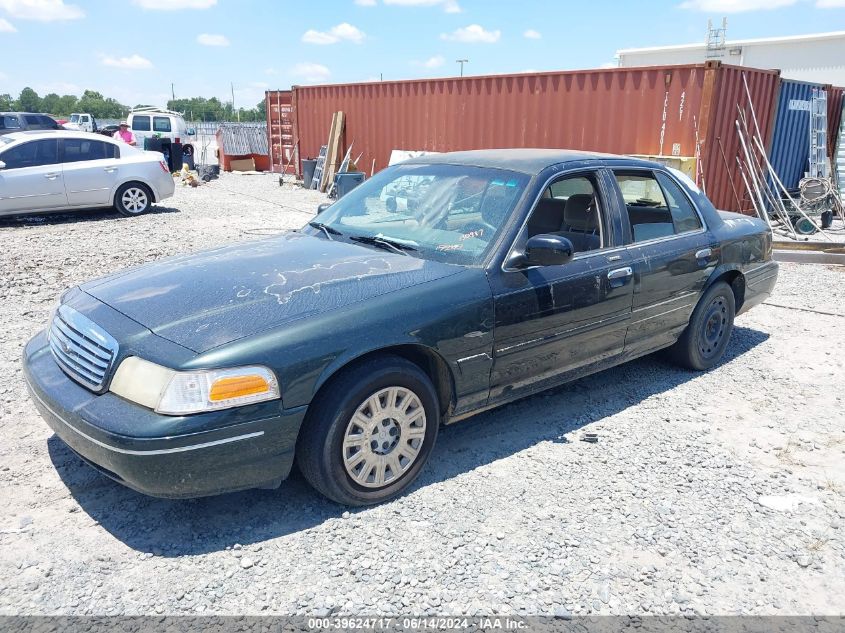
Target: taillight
[
  {"x": 164, "y": 167},
  {"x": 178, "y": 139}
]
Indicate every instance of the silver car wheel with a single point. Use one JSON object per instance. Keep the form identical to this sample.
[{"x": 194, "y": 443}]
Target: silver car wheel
[
  {"x": 384, "y": 437},
  {"x": 134, "y": 200}
]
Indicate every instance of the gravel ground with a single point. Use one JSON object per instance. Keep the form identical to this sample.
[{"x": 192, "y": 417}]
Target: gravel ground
[{"x": 717, "y": 493}]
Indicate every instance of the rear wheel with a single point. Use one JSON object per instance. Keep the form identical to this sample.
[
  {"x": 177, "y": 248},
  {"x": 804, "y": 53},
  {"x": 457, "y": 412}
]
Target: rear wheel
[
  {"x": 370, "y": 432},
  {"x": 703, "y": 342},
  {"x": 133, "y": 198}
]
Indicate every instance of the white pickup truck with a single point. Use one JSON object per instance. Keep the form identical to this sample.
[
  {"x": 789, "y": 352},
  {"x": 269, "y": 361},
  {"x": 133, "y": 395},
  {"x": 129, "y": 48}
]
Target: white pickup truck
[{"x": 83, "y": 122}]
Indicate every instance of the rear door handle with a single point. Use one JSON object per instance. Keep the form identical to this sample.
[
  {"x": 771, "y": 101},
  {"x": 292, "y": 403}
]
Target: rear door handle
[
  {"x": 704, "y": 253},
  {"x": 620, "y": 273}
]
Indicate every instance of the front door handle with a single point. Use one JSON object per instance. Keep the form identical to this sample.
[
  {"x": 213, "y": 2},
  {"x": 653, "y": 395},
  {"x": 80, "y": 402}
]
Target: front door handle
[
  {"x": 109, "y": 169},
  {"x": 704, "y": 253},
  {"x": 52, "y": 175},
  {"x": 620, "y": 273}
]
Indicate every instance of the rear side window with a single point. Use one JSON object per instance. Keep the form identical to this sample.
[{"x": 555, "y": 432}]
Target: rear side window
[
  {"x": 656, "y": 206},
  {"x": 683, "y": 214},
  {"x": 9, "y": 122},
  {"x": 141, "y": 123},
  {"x": 49, "y": 123},
  {"x": 32, "y": 154},
  {"x": 32, "y": 119},
  {"x": 161, "y": 124},
  {"x": 77, "y": 149}
]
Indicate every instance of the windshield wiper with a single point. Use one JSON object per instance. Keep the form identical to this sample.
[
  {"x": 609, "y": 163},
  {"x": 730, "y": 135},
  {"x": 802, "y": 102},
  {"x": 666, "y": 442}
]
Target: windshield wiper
[
  {"x": 394, "y": 245},
  {"x": 325, "y": 228}
]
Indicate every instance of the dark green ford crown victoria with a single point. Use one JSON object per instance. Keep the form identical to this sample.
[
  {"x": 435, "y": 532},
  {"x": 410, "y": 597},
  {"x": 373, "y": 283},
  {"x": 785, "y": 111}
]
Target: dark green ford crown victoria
[{"x": 441, "y": 287}]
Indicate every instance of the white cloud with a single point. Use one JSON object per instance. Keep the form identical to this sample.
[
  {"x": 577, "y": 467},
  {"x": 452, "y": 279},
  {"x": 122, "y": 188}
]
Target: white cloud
[
  {"x": 449, "y": 6},
  {"x": 60, "y": 88},
  {"x": 3, "y": 76},
  {"x": 132, "y": 62},
  {"x": 341, "y": 32},
  {"x": 434, "y": 62},
  {"x": 6, "y": 26},
  {"x": 210, "y": 39},
  {"x": 174, "y": 5},
  {"x": 43, "y": 10},
  {"x": 735, "y": 6},
  {"x": 365, "y": 3},
  {"x": 472, "y": 34},
  {"x": 311, "y": 73},
  {"x": 830, "y": 4},
  {"x": 531, "y": 34}
]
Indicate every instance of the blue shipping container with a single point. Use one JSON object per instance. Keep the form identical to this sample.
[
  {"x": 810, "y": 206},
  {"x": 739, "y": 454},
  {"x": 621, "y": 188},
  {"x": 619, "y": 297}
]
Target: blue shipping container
[{"x": 791, "y": 134}]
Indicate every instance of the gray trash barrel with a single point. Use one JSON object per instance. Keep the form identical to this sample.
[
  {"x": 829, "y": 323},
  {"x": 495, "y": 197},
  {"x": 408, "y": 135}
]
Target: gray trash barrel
[
  {"x": 308, "y": 166},
  {"x": 347, "y": 181}
]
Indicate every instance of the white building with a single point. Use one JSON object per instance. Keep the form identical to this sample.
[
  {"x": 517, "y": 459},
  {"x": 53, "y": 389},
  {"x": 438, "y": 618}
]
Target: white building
[{"x": 818, "y": 58}]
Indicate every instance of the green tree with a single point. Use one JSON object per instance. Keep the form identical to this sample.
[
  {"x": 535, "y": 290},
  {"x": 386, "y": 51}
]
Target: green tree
[
  {"x": 28, "y": 101},
  {"x": 6, "y": 102}
]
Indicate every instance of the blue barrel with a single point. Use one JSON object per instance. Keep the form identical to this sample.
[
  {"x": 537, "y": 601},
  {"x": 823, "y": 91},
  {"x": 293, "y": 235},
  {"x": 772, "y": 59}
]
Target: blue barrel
[
  {"x": 791, "y": 135},
  {"x": 347, "y": 181}
]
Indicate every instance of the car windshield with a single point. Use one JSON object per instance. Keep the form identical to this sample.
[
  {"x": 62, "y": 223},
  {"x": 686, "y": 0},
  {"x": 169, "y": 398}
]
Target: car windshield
[
  {"x": 449, "y": 213},
  {"x": 74, "y": 118}
]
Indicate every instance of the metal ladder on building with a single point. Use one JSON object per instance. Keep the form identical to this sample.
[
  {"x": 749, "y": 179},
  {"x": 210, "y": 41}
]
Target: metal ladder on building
[{"x": 818, "y": 134}]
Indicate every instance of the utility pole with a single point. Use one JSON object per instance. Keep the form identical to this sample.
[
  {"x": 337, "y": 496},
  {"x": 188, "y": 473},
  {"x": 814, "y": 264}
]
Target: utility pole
[
  {"x": 172, "y": 91},
  {"x": 233, "y": 102},
  {"x": 462, "y": 62}
]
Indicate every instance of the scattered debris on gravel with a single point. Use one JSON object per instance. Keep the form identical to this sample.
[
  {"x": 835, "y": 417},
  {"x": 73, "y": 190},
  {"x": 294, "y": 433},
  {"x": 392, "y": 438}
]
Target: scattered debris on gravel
[{"x": 713, "y": 493}]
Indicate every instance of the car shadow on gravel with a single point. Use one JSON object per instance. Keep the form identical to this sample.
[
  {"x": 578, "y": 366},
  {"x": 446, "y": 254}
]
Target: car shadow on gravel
[
  {"x": 82, "y": 215},
  {"x": 188, "y": 527}
]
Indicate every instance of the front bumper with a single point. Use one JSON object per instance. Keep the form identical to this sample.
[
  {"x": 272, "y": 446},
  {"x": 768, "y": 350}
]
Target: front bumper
[{"x": 255, "y": 450}]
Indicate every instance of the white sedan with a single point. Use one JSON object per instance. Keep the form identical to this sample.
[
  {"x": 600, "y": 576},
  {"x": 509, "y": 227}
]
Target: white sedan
[{"x": 65, "y": 170}]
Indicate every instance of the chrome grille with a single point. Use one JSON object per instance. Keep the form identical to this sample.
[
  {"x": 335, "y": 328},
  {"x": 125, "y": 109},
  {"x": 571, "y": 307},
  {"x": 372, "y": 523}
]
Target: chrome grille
[{"x": 81, "y": 348}]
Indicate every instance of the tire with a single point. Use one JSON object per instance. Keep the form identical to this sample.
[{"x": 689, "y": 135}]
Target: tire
[
  {"x": 133, "y": 198},
  {"x": 704, "y": 340},
  {"x": 343, "y": 423}
]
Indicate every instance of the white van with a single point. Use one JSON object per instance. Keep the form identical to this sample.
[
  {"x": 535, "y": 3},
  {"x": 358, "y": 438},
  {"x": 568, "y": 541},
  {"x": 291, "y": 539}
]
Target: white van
[{"x": 148, "y": 122}]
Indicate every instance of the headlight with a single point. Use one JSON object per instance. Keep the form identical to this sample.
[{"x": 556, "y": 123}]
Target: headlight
[{"x": 173, "y": 392}]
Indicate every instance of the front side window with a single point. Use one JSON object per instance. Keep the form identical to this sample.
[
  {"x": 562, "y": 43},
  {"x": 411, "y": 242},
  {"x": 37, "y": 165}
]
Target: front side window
[
  {"x": 161, "y": 124},
  {"x": 77, "y": 149},
  {"x": 570, "y": 207},
  {"x": 449, "y": 213},
  {"x": 32, "y": 154},
  {"x": 141, "y": 123},
  {"x": 32, "y": 119}
]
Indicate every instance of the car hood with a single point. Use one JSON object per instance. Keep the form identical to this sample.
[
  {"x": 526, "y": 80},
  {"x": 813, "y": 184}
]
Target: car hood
[{"x": 208, "y": 299}]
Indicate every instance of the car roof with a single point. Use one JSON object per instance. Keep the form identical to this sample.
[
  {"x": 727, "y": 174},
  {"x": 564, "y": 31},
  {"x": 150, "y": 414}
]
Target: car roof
[
  {"x": 31, "y": 135},
  {"x": 526, "y": 160}
]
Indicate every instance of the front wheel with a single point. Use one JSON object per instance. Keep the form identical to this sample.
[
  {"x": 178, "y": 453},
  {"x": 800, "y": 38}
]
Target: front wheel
[
  {"x": 703, "y": 342},
  {"x": 133, "y": 199},
  {"x": 370, "y": 432}
]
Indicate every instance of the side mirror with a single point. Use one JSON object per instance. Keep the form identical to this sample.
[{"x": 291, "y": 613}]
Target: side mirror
[
  {"x": 2, "y": 165},
  {"x": 191, "y": 131},
  {"x": 323, "y": 207},
  {"x": 548, "y": 250}
]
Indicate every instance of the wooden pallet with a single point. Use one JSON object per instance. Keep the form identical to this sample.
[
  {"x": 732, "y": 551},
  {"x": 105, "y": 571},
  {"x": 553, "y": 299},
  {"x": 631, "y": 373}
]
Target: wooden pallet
[{"x": 333, "y": 151}]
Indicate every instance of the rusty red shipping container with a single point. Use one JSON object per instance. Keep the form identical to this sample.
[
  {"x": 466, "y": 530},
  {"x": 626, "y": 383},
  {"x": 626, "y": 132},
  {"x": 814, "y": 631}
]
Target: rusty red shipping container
[
  {"x": 281, "y": 135},
  {"x": 650, "y": 111},
  {"x": 835, "y": 96}
]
